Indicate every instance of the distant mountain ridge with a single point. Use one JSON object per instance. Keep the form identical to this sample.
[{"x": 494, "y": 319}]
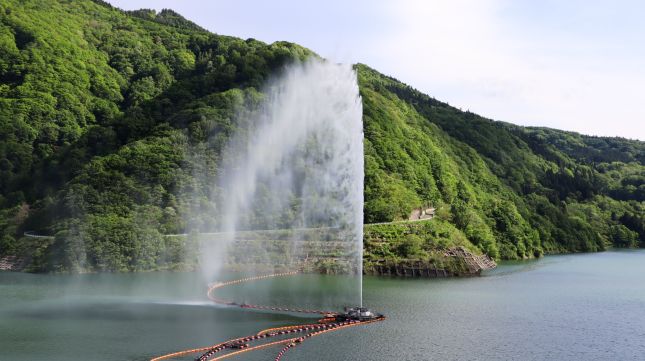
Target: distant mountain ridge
[{"x": 107, "y": 115}]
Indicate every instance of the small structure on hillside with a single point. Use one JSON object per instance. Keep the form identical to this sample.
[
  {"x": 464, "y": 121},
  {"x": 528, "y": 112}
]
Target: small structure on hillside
[
  {"x": 421, "y": 213},
  {"x": 475, "y": 263}
]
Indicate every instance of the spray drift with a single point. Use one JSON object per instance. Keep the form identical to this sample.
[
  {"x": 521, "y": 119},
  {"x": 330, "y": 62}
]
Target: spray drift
[
  {"x": 291, "y": 185},
  {"x": 292, "y": 204}
]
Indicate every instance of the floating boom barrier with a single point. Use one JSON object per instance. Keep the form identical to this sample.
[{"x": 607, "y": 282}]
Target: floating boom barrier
[{"x": 331, "y": 321}]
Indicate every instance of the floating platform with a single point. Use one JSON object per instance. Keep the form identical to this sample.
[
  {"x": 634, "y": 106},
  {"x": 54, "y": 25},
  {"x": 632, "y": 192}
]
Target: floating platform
[{"x": 358, "y": 314}]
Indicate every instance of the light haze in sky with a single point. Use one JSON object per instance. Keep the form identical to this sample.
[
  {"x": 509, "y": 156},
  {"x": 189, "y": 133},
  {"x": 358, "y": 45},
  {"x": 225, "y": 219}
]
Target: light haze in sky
[{"x": 573, "y": 65}]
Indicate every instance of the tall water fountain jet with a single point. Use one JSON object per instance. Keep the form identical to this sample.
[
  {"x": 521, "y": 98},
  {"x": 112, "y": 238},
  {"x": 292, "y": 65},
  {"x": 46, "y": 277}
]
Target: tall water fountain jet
[{"x": 291, "y": 184}]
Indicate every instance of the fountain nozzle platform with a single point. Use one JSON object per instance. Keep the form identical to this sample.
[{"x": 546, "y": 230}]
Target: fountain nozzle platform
[{"x": 358, "y": 314}]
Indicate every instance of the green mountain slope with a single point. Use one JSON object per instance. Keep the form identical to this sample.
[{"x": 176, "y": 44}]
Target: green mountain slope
[
  {"x": 107, "y": 116},
  {"x": 575, "y": 201}
]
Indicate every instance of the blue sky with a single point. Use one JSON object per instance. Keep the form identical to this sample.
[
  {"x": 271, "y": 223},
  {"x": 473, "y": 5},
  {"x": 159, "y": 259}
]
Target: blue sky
[{"x": 574, "y": 65}]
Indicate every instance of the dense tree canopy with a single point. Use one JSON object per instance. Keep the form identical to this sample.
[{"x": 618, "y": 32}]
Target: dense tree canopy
[{"x": 106, "y": 118}]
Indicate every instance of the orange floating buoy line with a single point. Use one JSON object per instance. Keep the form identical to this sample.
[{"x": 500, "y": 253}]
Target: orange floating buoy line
[{"x": 331, "y": 321}]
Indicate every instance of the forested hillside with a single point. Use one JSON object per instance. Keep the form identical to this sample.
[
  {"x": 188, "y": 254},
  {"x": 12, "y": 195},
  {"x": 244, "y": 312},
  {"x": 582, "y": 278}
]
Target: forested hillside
[
  {"x": 106, "y": 117},
  {"x": 572, "y": 192}
]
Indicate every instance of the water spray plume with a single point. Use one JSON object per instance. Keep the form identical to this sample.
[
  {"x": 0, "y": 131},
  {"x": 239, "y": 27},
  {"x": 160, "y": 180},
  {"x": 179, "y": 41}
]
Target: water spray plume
[
  {"x": 292, "y": 202},
  {"x": 291, "y": 181}
]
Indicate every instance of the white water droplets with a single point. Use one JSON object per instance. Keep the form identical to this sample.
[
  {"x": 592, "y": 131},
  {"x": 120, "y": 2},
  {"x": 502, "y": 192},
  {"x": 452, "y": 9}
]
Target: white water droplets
[{"x": 296, "y": 164}]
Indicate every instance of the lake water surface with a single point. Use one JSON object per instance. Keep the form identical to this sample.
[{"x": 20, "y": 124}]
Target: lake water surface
[{"x": 574, "y": 307}]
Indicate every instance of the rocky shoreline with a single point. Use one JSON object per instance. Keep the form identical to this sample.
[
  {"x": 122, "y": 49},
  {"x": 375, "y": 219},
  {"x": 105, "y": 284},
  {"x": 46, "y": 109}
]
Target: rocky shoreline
[{"x": 459, "y": 262}]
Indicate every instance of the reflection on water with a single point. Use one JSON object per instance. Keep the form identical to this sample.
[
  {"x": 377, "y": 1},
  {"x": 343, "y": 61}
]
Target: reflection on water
[{"x": 573, "y": 307}]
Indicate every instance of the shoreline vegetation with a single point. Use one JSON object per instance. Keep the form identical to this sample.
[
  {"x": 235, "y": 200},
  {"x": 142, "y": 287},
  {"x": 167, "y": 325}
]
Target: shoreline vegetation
[
  {"x": 390, "y": 249},
  {"x": 112, "y": 125}
]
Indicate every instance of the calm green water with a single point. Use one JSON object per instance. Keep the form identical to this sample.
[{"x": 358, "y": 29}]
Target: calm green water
[{"x": 579, "y": 307}]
